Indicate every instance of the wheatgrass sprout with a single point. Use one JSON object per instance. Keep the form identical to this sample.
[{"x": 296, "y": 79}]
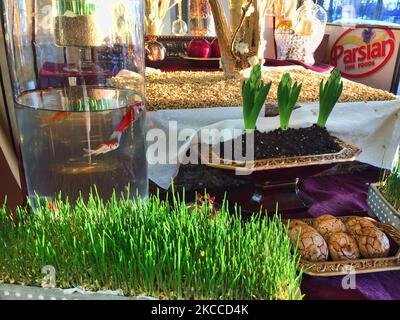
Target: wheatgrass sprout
[
  {"x": 78, "y": 7},
  {"x": 389, "y": 185},
  {"x": 161, "y": 248}
]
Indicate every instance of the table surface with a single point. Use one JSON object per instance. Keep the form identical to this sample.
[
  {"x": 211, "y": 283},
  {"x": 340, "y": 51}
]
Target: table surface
[
  {"x": 340, "y": 195},
  {"x": 340, "y": 191}
]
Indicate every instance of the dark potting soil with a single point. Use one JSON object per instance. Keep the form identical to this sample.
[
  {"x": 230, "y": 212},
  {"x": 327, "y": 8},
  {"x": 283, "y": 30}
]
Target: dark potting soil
[{"x": 290, "y": 143}]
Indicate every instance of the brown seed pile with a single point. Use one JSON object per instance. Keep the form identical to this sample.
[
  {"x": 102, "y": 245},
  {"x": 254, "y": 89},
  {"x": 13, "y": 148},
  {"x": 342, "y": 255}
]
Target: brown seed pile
[
  {"x": 81, "y": 31},
  {"x": 187, "y": 90}
]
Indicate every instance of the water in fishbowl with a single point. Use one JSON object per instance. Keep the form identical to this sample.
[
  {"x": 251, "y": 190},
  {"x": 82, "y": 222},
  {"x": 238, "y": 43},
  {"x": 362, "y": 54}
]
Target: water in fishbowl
[{"x": 75, "y": 138}]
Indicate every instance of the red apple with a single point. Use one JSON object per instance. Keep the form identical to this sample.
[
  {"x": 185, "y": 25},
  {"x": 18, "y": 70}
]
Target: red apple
[
  {"x": 215, "y": 50},
  {"x": 199, "y": 48}
]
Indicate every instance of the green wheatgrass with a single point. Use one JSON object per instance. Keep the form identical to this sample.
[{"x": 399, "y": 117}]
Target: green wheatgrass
[
  {"x": 158, "y": 248},
  {"x": 88, "y": 104},
  {"x": 390, "y": 186},
  {"x": 78, "y": 7}
]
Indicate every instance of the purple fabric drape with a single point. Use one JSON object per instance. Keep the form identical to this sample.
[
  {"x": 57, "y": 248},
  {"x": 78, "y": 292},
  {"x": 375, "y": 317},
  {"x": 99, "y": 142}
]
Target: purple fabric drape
[{"x": 341, "y": 195}]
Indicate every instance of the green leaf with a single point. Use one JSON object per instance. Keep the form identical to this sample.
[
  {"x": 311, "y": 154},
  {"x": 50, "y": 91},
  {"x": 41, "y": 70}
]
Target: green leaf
[
  {"x": 329, "y": 94},
  {"x": 254, "y": 94},
  {"x": 247, "y": 99},
  {"x": 287, "y": 98}
]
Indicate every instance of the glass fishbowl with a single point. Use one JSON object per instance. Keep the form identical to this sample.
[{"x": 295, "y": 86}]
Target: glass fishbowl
[{"x": 77, "y": 68}]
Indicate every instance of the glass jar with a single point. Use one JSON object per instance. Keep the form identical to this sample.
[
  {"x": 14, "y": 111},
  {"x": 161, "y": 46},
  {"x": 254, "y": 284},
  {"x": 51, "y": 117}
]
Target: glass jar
[
  {"x": 284, "y": 12},
  {"x": 77, "y": 68},
  {"x": 199, "y": 17},
  {"x": 298, "y": 37}
]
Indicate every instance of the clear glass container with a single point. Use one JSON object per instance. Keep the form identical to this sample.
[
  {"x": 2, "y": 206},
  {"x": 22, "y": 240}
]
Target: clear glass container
[
  {"x": 284, "y": 12},
  {"x": 179, "y": 27},
  {"x": 199, "y": 17},
  {"x": 300, "y": 36},
  {"x": 77, "y": 69}
]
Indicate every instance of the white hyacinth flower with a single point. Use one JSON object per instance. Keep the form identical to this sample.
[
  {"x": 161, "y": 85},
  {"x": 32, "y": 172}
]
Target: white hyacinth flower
[
  {"x": 242, "y": 47},
  {"x": 253, "y": 61},
  {"x": 249, "y": 11}
]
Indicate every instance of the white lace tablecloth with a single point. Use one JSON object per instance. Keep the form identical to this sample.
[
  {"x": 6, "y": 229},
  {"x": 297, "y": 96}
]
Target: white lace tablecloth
[{"x": 372, "y": 126}]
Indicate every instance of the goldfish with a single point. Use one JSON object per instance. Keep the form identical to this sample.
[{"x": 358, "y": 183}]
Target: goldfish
[
  {"x": 102, "y": 149},
  {"x": 55, "y": 118},
  {"x": 44, "y": 91},
  {"x": 126, "y": 121}
]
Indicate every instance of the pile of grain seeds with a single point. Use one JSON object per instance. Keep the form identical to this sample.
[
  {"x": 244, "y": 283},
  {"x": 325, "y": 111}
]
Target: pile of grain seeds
[
  {"x": 188, "y": 90},
  {"x": 80, "y": 31}
]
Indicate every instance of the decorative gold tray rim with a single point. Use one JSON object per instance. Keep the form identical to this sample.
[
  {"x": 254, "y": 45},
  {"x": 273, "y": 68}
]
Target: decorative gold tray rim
[
  {"x": 361, "y": 266},
  {"x": 348, "y": 152},
  {"x": 186, "y": 57},
  {"x": 177, "y": 37}
]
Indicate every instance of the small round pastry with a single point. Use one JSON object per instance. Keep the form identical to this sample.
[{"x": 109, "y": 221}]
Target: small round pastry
[
  {"x": 311, "y": 246},
  {"x": 327, "y": 225},
  {"x": 342, "y": 246},
  {"x": 356, "y": 225},
  {"x": 296, "y": 228},
  {"x": 373, "y": 243},
  {"x": 293, "y": 223}
]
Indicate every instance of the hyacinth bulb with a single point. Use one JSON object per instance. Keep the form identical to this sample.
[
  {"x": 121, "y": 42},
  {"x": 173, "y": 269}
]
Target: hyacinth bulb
[{"x": 179, "y": 28}]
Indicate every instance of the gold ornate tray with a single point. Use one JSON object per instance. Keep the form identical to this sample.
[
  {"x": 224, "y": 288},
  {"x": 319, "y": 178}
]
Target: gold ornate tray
[
  {"x": 347, "y": 153},
  {"x": 212, "y": 63},
  {"x": 341, "y": 268},
  {"x": 186, "y": 57}
]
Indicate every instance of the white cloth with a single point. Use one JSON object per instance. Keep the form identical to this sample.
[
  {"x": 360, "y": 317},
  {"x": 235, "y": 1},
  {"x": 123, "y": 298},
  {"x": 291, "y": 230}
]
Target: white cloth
[
  {"x": 372, "y": 126},
  {"x": 80, "y": 290}
]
